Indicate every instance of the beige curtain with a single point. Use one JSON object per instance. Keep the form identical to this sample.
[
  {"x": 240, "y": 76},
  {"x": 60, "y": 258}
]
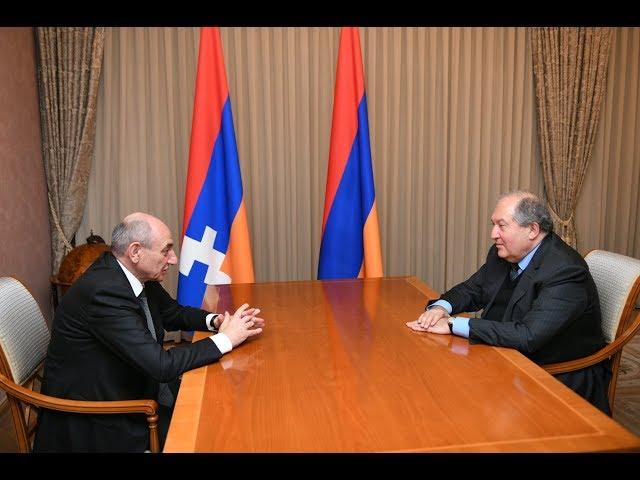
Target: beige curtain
[
  {"x": 608, "y": 214},
  {"x": 69, "y": 62},
  {"x": 452, "y": 125},
  {"x": 145, "y": 104},
  {"x": 570, "y": 67},
  {"x": 451, "y": 114}
]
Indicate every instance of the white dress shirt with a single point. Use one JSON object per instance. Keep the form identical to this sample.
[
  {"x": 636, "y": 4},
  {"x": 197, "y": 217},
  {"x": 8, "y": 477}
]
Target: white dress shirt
[{"x": 220, "y": 339}]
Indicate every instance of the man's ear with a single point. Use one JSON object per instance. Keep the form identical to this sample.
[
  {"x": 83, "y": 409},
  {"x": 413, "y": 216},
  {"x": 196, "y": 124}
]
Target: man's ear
[
  {"x": 133, "y": 251},
  {"x": 534, "y": 231}
]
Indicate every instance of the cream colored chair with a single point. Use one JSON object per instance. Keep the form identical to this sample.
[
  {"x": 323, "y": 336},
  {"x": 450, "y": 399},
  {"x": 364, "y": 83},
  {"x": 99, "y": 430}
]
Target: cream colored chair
[
  {"x": 24, "y": 339},
  {"x": 617, "y": 278}
]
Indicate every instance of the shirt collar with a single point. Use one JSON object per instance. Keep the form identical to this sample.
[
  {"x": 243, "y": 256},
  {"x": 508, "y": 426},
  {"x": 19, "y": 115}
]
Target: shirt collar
[
  {"x": 136, "y": 285},
  {"x": 527, "y": 258}
]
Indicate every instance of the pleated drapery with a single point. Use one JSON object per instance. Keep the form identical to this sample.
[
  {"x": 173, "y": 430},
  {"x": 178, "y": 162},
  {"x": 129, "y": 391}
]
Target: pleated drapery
[
  {"x": 452, "y": 123},
  {"x": 69, "y": 62},
  {"x": 570, "y": 68}
]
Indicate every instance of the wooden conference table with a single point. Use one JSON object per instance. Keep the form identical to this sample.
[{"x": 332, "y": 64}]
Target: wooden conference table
[{"x": 337, "y": 370}]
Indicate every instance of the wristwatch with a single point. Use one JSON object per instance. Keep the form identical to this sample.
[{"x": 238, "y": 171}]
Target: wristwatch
[{"x": 450, "y": 322}]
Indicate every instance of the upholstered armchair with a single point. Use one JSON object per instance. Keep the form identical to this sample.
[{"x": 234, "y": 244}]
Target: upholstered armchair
[
  {"x": 24, "y": 339},
  {"x": 617, "y": 278}
]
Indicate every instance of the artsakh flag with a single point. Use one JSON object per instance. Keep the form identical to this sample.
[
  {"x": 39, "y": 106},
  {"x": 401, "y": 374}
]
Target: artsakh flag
[
  {"x": 215, "y": 234},
  {"x": 350, "y": 244}
]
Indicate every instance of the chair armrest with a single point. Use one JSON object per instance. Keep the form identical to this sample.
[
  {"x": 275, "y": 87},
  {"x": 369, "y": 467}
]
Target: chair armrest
[
  {"x": 147, "y": 407},
  {"x": 606, "y": 352}
]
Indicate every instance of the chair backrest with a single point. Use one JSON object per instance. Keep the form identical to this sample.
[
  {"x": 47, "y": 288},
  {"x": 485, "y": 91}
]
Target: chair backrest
[
  {"x": 617, "y": 278},
  {"x": 24, "y": 336},
  {"x": 24, "y": 339}
]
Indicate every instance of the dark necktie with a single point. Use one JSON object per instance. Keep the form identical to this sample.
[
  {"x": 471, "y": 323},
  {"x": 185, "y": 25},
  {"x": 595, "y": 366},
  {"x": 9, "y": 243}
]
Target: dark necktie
[
  {"x": 515, "y": 268},
  {"x": 165, "y": 396}
]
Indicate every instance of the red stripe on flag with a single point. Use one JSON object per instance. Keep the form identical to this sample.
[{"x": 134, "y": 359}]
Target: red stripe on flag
[{"x": 210, "y": 96}]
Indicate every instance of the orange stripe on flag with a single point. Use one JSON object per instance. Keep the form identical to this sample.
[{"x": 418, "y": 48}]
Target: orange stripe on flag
[
  {"x": 237, "y": 263},
  {"x": 372, "y": 261}
]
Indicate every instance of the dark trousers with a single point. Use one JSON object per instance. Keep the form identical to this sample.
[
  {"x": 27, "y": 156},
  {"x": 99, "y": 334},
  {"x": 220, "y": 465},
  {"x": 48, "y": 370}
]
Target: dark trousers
[
  {"x": 164, "y": 418},
  {"x": 592, "y": 383},
  {"x": 164, "y": 415}
]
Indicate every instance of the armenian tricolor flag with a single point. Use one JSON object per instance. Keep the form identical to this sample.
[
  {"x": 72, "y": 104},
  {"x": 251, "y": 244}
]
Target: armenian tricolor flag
[{"x": 350, "y": 244}]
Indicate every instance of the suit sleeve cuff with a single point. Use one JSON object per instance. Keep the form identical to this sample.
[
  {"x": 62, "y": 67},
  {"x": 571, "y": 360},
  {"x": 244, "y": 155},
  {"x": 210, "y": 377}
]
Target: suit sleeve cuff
[{"x": 222, "y": 342}]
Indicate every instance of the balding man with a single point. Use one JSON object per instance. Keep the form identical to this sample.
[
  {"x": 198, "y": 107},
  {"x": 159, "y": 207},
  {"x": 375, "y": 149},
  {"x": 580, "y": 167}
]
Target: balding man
[
  {"x": 536, "y": 295},
  {"x": 106, "y": 342}
]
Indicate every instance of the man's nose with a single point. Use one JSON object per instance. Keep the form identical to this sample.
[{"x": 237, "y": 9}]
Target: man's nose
[{"x": 173, "y": 258}]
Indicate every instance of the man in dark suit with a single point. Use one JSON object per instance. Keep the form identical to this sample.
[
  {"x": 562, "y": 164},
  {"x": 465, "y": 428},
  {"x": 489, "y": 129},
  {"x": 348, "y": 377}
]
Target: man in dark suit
[
  {"x": 106, "y": 342},
  {"x": 536, "y": 295}
]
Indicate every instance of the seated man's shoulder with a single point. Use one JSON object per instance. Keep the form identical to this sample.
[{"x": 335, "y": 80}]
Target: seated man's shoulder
[
  {"x": 98, "y": 277},
  {"x": 564, "y": 254},
  {"x": 564, "y": 264},
  {"x": 104, "y": 282}
]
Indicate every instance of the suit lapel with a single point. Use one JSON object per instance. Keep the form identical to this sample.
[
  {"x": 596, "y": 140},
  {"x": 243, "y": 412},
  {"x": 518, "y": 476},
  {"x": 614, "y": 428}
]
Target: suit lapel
[
  {"x": 502, "y": 275},
  {"x": 155, "y": 314},
  {"x": 523, "y": 285},
  {"x": 527, "y": 276},
  {"x": 111, "y": 261}
]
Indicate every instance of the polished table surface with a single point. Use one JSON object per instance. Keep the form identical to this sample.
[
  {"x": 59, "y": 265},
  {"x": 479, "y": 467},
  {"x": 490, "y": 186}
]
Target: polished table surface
[{"x": 337, "y": 370}]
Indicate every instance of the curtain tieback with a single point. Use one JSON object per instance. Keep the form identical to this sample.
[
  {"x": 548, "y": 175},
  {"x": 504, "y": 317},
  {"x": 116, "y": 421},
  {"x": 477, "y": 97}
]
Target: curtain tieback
[
  {"x": 56, "y": 221},
  {"x": 558, "y": 220}
]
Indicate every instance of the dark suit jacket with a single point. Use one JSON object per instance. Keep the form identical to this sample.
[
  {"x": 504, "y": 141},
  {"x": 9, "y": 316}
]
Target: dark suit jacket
[
  {"x": 552, "y": 316},
  {"x": 101, "y": 349}
]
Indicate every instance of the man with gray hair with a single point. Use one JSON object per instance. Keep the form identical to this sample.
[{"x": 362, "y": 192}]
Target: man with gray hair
[
  {"x": 536, "y": 295},
  {"x": 106, "y": 342}
]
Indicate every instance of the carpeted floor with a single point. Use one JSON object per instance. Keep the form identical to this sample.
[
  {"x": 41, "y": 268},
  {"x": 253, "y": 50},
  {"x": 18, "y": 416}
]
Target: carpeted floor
[{"x": 626, "y": 407}]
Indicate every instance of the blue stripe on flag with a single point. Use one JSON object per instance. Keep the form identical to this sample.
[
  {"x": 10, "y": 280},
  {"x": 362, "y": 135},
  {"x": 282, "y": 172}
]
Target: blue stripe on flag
[{"x": 221, "y": 192}]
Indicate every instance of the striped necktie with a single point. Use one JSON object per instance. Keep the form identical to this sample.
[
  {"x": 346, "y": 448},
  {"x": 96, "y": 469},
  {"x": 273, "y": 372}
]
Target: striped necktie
[
  {"x": 515, "y": 270},
  {"x": 165, "y": 396}
]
